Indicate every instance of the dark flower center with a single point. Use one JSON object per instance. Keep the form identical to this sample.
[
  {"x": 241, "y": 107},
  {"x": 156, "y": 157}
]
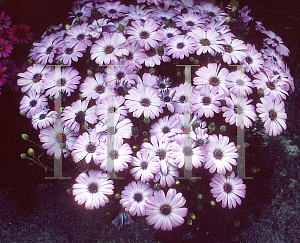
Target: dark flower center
[
  {"x": 240, "y": 82},
  {"x": 275, "y": 72},
  {"x": 182, "y": 99},
  {"x": 80, "y": 117},
  {"x": 227, "y": 188},
  {"x": 37, "y": 77},
  {"x": 228, "y": 48},
  {"x": 206, "y": 100},
  {"x": 169, "y": 35},
  {"x": 188, "y": 151},
  {"x": 100, "y": 89},
  {"x": 112, "y": 11},
  {"x": 151, "y": 52},
  {"x": 161, "y": 154},
  {"x": 130, "y": 56},
  {"x": 113, "y": 154},
  {"x": 211, "y": 14},
  {"x": 21, "y": 34},
  {"x": 120, "y": 90},
  {"x": 138, "y": 197},
  {"x": 112, "y": 109},
  {"x": 91, "y": 148},
  {"x": 186, "y": 129},
  {"x": 162, "y": 85},
  {"x": 167, "y": 99},
  {"x": 144, "y": 165},
  {"x": 42, "y": 116},
  {"x": 108, "y": 49},
  {"x": 165, "y": 210},
  {"x": 218, "y": 154},
  {"x": 190, "y": 23},
  {"x": 249, "y": 60},
  {"x": 79, "y": 14},
  {"x": 1, "y": 47},
  {"x": 205, "y": 42},
  {"x": 62, "y": 82},
  {"x": 238, "y": 109},
  {"x": 120, "y": 75},
  {"x": 33, "y": 103},
  {"x": 163, "y": 18},
  {"x": 69, "y": 50},
  {"x": 272, "y": 115},
  {"x": 144, "y": 35},
  {"x": 80, "y": 37},
  {"x": 271, "y": 85},
  {"x": 214, "y": 81},
  {"x": 166, "y": 130},
  {"x": 61, "y": 138},
  {"x": 49, "y": 50},
  {"x": 111, "y": 130},
  {"x": 180, "y": 45},
  {"x": 145, "y": 102},
  {"x": 93, "y": 188}
]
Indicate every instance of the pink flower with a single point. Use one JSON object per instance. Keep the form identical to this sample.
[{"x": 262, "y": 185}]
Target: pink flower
[
  {"x": 20, "y": 33},
  {"x": 5, "y": 48},
  {"x": 228, "y": 190},
  {"x": 273, "y": 114},
  {"x": 134, "y": 196},
  {"x": 165, "y": 211},
  {"x": 220, "y": 154},
  {"x": 92, "y": 189}
]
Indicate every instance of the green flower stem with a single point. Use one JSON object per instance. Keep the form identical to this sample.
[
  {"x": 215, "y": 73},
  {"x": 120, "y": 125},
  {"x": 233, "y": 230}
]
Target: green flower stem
[{"x": 34, "y": 143}]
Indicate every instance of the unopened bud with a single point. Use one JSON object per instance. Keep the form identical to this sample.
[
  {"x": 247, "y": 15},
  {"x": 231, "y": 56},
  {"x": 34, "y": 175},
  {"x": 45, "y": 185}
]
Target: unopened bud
[
  {"x": 24, "y": 136},
  {"x": 31, "y": 152},
  {"x": 23, "y": 156}
]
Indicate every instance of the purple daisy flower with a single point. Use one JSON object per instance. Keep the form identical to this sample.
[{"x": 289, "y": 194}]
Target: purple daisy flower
[
  {"x": 32, "y": 103},
  {"x": 272, "y": 113},
  {"x": 207, "y": 41},
  {"x": 167, "y": 99},
  {"x": 276, "y": 41},
  {"x": 5, "y": 48},
  {"x": 189, "y": 21},
  {"x": 206, "y": 101},
  {"x": 182, "y": 96},
  {"x": 166, "y": 175},
  {"x": 135, "y": 57},
  {"x": 20, "y": 33},
  {"x": 138, "y": 12},
  {"x": 270, "y": 85},
  {"x": 122, "y": 128},
  {"x": 45, "y": 50},
  {"x": 239, "y": 111},
  {"x": 228, "y": 190},
  {"x": 78, "y": 114},
  {"x": 144, "y": 33},
  {"x": 239, "y": 83},
  {"x": 152, "y": 57},
  {"x": 57, "y": 139},
  {"x": 81, "y": 12},
  {"x": 220, "y": 154},
  {"x": 146, "y": 165},
  {"x": 160, "y": 148},
  {"x": 70, "y": 50},
  {"x": 121, "y": 73},
  {"x": 97, "y": 27},
  {"x": 134, "y": 196},
  {"x": 85, "y": 147},
  {"x": 185, "y": 152},
  {"x": 143, "y": 100},
  {"x": 111, "y": 106},
  {"x": 169, "y": 33},
  {"x": 32, "y": 79},
  {"x": 106, "y": 49},
  {"x": 212, "y": 75},
  {"x": 113, "y": 10},
  {"x": 94, "y": 88},
  {"x": 92, "y": 189},
  {"x": 12, "y": 68},
  {"x": 165, "y": 211},
  {"x": 78, "y": 33},
  {"x": 119, "y": 155},
  {"x": 271, "y": 55},
  {"x": 5, "y": 21},
  {"x": 213, "y": 12},
  {"x": 253, "y": 61},
  {"x": 147, "y": 79},
  {"x": 165, "y": 127},
  {"x": 43, "y": 119},
  {"x": 66, "y": 82},
  {"x": 181, "y": 46},
  {"x": 234, "y": 50}
]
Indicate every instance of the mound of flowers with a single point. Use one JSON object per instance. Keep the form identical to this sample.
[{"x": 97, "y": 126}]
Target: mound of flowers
[{"x": 150, "y": 94}]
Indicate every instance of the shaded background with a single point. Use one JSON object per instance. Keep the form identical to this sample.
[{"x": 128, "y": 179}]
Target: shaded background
[{"x": 24, "y": 195}]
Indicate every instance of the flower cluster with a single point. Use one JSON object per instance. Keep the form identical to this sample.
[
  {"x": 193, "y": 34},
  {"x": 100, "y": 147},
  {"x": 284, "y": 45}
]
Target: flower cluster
[
  {"x": 10, "y": 35},
  {"x": 138, "y": 115}
]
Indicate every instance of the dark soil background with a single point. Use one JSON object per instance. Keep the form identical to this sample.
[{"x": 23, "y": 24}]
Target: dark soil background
[{"x": 33, "y": 209}]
